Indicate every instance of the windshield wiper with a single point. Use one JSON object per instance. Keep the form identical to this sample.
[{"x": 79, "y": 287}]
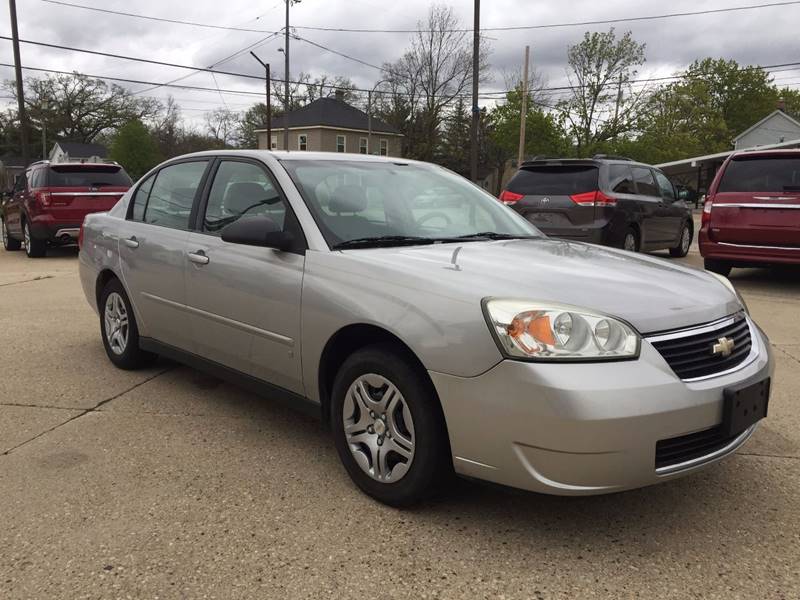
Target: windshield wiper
[
  {"x": 384, "y": 240},
  {"x": 493, "y": 235}
]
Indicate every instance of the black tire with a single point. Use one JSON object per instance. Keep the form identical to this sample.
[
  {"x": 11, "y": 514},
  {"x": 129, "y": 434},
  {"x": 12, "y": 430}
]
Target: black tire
[
  {"x": 9, "y": 243},
  {"x": 431, "y": 464},
  {"x": 682, "y": 249},
  {"x": 717, "y": 266},
  {"x": 132, "y": 357},
  {"x": 33, "y": 248},
  {"x": 626, "y": 240}
]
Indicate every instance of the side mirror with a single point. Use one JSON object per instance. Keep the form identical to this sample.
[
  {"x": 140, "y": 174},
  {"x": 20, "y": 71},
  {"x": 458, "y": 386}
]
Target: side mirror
[
  {"x": 683, "y": 194},
  {"x": 257, "y": 231}
]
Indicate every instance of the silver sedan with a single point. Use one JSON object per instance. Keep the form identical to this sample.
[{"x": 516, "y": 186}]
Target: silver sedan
[{"x": 434, "y": 329}]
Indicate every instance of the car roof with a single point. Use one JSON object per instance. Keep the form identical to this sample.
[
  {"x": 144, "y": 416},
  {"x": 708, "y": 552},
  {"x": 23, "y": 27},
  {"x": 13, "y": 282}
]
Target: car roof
[{"x": 299, "y": 155}]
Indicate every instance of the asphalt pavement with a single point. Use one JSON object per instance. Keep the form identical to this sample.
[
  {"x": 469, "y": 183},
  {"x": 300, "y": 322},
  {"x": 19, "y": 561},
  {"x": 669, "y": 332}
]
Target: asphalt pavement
[{"x": 168, "y": 483}]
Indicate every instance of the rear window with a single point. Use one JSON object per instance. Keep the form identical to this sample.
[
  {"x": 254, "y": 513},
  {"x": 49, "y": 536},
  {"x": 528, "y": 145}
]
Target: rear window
[
  {"x": 762, "y": 174},
  {"x": 555, "y": 180},
  {"x": 81, "y": 176}
]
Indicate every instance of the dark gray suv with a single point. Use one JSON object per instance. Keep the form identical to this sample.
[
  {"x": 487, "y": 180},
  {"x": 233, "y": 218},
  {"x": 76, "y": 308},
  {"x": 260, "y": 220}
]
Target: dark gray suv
[{"x": 606, "y": 200}]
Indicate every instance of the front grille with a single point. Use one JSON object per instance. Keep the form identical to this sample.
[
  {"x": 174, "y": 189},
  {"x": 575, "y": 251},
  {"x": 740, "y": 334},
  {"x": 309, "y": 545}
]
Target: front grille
[
  {"x": 694, "y": 445},
  {"x": 691, "y": 356}
]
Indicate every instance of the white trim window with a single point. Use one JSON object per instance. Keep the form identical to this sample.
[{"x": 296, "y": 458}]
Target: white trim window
[
  {"x": 273, "y": 143},
  {"x": 363, "y": 146},
  {"x": 302, "y": 141},
  {"x": 341, "y": 143},
  {"x": 384, "y": 147}
]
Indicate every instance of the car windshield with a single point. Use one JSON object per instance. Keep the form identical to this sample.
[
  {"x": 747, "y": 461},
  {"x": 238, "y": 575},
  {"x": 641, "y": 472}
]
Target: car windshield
[
  {"x": 386, "y": 203},
  {"x": 762, "y": 174},
  {"x": 82, "y": 176}
]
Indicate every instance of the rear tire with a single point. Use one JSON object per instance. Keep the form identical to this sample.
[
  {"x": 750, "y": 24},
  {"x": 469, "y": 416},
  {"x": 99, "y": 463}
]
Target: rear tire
[
  {"x": 631, "y": 240},
  {"x": 717, "y": 266},
  {"x": 33, "y": 248},
  {"x": 682, "y": 249},
  {"x": 119, "y": 330},
  {"x": 9, "y": 243},
  {"x": 393, "y": 443}
]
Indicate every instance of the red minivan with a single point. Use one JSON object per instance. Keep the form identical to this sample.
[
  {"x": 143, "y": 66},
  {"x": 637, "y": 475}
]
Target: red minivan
[
  {"x": 751, "y": 217},
  {"x": 50, "y": 201}
]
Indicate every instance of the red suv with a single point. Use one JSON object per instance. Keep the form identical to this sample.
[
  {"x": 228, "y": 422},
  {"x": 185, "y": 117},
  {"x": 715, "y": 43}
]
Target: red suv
[
  {"x": 751, "y": 217},
  {"x": 49, "y": 203}
]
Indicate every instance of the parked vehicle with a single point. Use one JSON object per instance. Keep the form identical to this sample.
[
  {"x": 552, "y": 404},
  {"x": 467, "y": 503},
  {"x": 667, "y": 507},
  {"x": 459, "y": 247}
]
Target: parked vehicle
[
  {"x": 605, "y": 200},
  {"x": 432, "y": 339},
  {"x": 751, "y": 217},
  {"x": 50, "y": 201}
]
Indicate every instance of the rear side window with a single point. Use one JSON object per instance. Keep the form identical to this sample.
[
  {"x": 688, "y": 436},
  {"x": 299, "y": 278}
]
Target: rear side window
[
  {"x": 140, "y": 199},
  {"x": 620, "y": 179},
  {"x": 172, "y": 196},
  {"x": 645, "y": 184},
  {"x": 81, "y": 176},
  {"x": 562, "y": 180},
  {"x": 762, "y": 174}
]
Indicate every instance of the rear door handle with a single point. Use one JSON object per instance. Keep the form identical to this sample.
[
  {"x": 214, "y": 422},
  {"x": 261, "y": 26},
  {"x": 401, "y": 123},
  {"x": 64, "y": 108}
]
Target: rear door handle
[
  {"x": 131, "y": 242},
  {"x": 199, "y": 257}
]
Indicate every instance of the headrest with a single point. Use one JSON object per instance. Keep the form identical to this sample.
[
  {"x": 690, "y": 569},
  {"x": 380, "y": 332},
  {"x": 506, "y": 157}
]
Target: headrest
[
  {"x": 348, "y": 199},
  {"x": 244, "y": 194},
  {"x": 183, "y": 197}
]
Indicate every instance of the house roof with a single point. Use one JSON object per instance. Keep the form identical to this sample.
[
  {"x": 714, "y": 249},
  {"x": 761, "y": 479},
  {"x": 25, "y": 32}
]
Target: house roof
[
  {"x": 329, "y": 112},
  {"x": 765, "y": 119},
  {"x": 79, "y": 150},
  {"x": 726, "y": 154}
]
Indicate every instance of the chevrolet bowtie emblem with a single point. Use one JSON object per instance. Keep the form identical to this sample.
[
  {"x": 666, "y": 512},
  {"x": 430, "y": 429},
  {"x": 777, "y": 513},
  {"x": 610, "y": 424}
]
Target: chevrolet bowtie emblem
[{"x": 723, "y": 347}]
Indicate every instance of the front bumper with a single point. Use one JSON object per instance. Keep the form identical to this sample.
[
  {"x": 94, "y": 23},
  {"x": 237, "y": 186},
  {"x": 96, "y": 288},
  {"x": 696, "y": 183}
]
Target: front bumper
[{"x": 581, "y": 428}]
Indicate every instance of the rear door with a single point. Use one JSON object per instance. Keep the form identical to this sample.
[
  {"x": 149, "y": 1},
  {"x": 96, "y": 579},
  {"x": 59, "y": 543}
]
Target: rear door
[
  {"x": 73, "y": 191},
  {"x": 757, "y": 201},
  {"x": 152, "y": 249},
  {"x": 551, "y": 195}
]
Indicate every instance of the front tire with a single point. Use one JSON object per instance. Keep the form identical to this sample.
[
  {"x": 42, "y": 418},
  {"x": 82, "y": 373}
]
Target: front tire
[
  {"x": 9, "y": 243},
  {"x": 119, "y": 330},
  {"x": 388, "y": 426},
  {"x": 717, "y": 266},
  {"x": 33, "y": 248},
  {"x": 682, "y": 249},
  {"x": 631, "y": 240}
]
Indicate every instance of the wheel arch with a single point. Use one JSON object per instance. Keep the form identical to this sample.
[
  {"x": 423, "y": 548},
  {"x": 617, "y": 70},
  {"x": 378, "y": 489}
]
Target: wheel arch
[{"x": 103, "y": 277}]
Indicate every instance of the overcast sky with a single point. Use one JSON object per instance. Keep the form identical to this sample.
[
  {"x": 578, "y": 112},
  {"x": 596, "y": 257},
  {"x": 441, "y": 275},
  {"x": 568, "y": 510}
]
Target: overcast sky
[{"x": 765, "y": 36}]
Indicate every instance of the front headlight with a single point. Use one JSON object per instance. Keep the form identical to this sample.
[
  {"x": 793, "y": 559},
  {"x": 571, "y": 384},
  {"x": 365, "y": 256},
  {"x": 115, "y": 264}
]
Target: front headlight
[
  {"x": 727, "y": 283},
  {"x": 545, "y": 331}
]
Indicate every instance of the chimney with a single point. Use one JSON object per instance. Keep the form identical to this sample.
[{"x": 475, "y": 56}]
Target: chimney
[
  {"x": 339, "y": 94},
  {"x": 781, "y": 105}
]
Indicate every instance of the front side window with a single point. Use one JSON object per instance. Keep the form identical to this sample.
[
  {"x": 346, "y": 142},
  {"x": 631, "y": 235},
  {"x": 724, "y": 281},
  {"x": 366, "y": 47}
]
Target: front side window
[
  {"x": 341, "y": 145},
  {"x": 363, "y": 146},
  {"x": 384, "y": 147},
  {"x": 302, "y": 142},
  {"x": 367, "y": 199},
  {"x": 241, "y": 189},
  {"x": 620, "y": 179},
  {"x": 667, "y": 191},
  {"x": 645, "y": 184},
  {"x": 172, "y": 195}
]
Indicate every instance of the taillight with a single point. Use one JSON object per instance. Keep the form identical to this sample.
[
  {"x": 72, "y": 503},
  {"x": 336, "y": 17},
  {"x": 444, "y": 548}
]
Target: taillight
[
  {"x": 80, "y": 238},
  {"x": 43, "y": 198},
  {"x": 507, "y": 197},
  {"x": 706, "y": 216},
  {"x": 595, "y": 198}
]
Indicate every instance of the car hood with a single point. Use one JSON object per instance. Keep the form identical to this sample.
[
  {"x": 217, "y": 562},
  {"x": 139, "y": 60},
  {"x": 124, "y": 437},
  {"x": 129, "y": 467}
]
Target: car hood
[{"x": 650, "y": 293}]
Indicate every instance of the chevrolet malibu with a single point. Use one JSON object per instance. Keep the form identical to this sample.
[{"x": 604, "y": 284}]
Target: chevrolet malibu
[{"x": 432, "y": 328}]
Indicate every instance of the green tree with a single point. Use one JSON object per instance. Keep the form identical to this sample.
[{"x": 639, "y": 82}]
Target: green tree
[
  {"x": 135, "y": 149},
  {"x": 454, "y": 149},
  {"x": 252, "y": 119}
]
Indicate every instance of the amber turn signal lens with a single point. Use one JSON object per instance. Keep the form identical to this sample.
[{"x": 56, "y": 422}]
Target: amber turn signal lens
[{"x": 537, "y": 327}]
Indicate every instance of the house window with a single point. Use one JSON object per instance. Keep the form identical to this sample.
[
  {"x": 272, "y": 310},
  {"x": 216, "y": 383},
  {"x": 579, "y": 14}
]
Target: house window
[
  {"x": 384, "y": 147},
  {"x": 302, "y": 142},
  {"x": 273, "y": 143},
  {"x": 363, "y": 146},
  {"x": 341, "y": 145}
]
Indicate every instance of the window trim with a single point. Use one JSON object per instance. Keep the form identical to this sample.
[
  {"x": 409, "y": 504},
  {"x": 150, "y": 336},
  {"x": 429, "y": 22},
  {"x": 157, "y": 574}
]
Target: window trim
[
  {"x": 383, "y": 142},
  {"x": 344, "y": 143},
  {"x": 363, "y": 143},
  {"x": 302, "y": 135}
]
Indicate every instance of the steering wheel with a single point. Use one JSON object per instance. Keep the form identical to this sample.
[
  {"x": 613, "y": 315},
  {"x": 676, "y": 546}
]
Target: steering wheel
[{"x": 434, "y": 215}]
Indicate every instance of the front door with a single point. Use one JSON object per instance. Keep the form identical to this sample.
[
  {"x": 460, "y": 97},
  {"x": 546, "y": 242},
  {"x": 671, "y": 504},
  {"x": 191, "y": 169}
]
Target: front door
[
  {"x": 244, "y": 301},
  {"x": 152, "y": 248},
  {"x": 651, "y": 203},
  {"x": 674, "y": 210}
]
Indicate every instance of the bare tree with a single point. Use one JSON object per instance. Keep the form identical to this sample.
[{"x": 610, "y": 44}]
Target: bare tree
[{"x": 222, "y": 125}]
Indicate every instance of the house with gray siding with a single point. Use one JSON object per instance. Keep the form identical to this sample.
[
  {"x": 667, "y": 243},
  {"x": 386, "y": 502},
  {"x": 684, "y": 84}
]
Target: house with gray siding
[{"x": 776, "y": 128}]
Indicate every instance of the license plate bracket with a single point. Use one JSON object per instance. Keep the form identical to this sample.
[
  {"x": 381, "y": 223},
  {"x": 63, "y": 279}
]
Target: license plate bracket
[{"x": 743, "y": 407}]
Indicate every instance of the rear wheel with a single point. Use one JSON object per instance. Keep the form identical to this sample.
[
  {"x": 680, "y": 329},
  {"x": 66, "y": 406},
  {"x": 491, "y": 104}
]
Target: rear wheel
[
  {"x": 9, "y": 243},
  {"x": 119, "y": 330},
  {"x": 33, "y": 248},
  {"x": 388, "y": 427},
  {"x": 682, "y": 249},
  {"x": 717, "y": 266},
  {"x": 631, "y": 240}
]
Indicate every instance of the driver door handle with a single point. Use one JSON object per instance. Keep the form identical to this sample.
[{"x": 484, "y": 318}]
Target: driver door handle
[
  {"x": 199, "y": 257},
  {"x": 131, "y": 242}
]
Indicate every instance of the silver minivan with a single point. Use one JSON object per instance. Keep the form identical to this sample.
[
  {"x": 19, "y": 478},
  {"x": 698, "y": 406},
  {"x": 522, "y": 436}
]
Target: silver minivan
[{"x": 433, "y": 328}]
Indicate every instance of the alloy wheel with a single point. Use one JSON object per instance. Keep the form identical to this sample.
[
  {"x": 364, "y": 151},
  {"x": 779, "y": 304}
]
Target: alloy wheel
[
  {"x": 378, "y": 428},
  {"x": 630, "y": 242},
  {"x": 686, "y": 240},
  {"x": 116, "y": 322}
]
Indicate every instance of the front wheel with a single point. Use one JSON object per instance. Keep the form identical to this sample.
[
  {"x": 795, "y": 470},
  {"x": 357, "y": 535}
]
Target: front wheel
[
  {"x": 119, "y": 330},
  {"x": 33, "y": 248},
  {"x": 682, "y": 249},
  {"x": 9, "y": 243},
  {"x": 631, "y": 241},
  {"x": 717, "y": 266},
  {"x": 388, "y": 427}
]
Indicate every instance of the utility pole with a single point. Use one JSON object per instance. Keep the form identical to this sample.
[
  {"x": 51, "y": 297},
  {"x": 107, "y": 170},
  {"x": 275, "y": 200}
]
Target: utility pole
[
  {"x": 524, "y": 112},
  {"x": 23, "y": 115},
  {"x": 269, "y": 110},
  {"x": 286, "y": 83},
  {"x": 476, "y": 111}
]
